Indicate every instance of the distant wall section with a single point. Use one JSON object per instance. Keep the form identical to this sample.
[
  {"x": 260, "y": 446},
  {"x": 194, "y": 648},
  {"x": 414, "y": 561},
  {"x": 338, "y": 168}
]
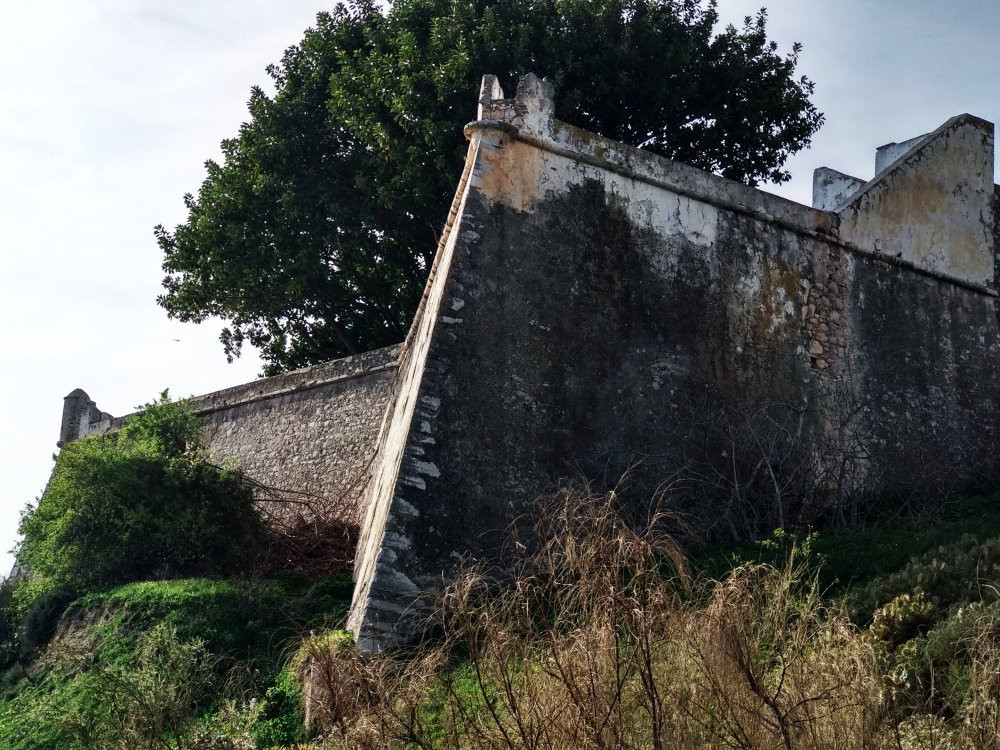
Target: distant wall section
[{"x": 309, "y": 434}]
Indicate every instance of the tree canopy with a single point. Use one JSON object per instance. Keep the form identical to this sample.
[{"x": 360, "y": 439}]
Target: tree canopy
[{"x": 313, "y": 236}]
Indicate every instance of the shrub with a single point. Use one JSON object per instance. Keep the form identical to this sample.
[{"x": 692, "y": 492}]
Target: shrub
[
  {"x": 42, "y": 619},
  {"x": 244, "y": 632},
  {"x": 30, "y": 609},
  {"x": 8, "y": 625},
  {"x": 902, "y": 619},
  {"x": 151, "y": 702},
  {"x": 144, "y": 503},
  {"x": 938, "y": 671},
  {"x": 597, "y": 640},
  {"x": 957, "y": 573},
  {"x": 277, "y": 719}
]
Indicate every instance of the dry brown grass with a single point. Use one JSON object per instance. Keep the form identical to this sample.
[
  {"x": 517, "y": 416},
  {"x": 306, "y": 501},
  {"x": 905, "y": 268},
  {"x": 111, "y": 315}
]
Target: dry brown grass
[{"x": 600, "y": 641}]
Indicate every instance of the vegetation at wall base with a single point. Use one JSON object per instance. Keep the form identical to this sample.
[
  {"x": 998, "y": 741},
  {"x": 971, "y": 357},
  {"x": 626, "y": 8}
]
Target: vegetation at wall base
[
  {"x": 138, "y": 504},
  {"x": 588, "y": 648},
  {"x": 853, "y": 558},
  {"x": 314, "y": 236},
  {"x": 600, "y": 635},
  {"x": 105, "y": 639},
  {"x": 175, "y": 661},
  {"x": 608, "y": 636}
]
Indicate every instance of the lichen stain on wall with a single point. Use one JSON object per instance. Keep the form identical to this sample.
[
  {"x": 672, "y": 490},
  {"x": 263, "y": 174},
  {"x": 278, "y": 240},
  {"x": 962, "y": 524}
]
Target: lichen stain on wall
[
  {"x": 933, "y": 206},
  {"x": 512, "y": 174}
]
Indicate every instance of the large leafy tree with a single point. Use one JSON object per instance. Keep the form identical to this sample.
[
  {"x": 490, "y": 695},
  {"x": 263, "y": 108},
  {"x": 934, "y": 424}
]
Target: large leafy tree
[{"x": 314, "y": 235}]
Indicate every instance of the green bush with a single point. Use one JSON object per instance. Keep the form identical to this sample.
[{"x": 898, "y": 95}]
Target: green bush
[
  {"x": 142, "y": 504},
  {"x": 904, "y": 618},
  {"x": 30, "y": 609},
  {"x": 954, "y": 637},
  {"x": 935, "y": 670},
  {"x": 961, "y": 572},
  {"x": 224, "y": 615},
  {"x": 151, "y": 702},
  {"x": 244, "y": 630},
  {"x": 42, "y": 619},
  {"x": 850, "y": 559},
  {"x": 277, "y": 719},
  {"x": 8, "y": 625}
]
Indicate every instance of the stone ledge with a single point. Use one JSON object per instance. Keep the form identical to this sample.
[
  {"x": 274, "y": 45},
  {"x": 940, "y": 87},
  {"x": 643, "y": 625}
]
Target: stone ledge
[
  {"x": 297, "y": 381},
  {"x": 690, "y": 182}
]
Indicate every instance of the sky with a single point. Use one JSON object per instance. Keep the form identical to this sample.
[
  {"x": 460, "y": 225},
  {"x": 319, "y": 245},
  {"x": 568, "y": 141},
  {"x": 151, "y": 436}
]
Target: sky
[{"x": 109, "y": 108}]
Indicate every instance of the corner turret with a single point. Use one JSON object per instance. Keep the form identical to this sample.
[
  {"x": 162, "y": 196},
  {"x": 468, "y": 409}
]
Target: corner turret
[{"x": 81, "y": 417}]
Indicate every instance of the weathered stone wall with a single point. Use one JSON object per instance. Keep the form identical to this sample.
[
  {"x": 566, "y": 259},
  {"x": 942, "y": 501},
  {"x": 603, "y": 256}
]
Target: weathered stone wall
[
  {"x": 593, "y": 307},
  {"x": 311, "y": 434},
  {"x": 308, "y": 434},
  {"x": 587, "y": 294},
  {"x": 932, "y": 204}
]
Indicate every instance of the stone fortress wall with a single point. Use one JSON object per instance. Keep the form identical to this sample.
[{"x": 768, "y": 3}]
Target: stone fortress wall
[{"x": 586, "y": 293}]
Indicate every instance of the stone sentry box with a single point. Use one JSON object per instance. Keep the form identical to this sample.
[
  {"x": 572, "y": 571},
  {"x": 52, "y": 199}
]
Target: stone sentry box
[{"x": 583, "y": 289}]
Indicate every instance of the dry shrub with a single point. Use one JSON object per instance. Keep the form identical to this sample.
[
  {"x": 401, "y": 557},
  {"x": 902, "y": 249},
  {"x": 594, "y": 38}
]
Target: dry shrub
[
  {"x": 774, "y": 668},
  {"x": 357, "y": 702},
  {"x": 314, "y": 535},
  {"x": 566, "y": 654},
  {"x": 317, "y": 547},
  {"x": 596, "y": 638}
]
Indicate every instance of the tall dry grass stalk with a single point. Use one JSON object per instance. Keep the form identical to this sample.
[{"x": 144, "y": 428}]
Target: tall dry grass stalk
[{"x": 599, "y": 640}]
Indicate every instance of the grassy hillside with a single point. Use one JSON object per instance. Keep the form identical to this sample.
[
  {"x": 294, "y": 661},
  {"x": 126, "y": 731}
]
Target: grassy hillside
[
  {"x": 169, "y": 664},
  {"x": 608, "y": 638}
]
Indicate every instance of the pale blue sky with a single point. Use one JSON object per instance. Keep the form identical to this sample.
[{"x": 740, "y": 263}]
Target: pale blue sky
[{"x": 110, "y": 107}]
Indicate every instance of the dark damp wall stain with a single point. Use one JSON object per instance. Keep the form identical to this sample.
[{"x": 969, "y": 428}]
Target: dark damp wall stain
[
  {"x": 580, "y": 337},
  {"x": 925, "y": 357},
  {"x": 577, "y": 341}
]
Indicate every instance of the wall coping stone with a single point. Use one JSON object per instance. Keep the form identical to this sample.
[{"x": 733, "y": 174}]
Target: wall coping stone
[
  {"x": 285, "y": 384},
  {"x": 298, "y": 381}
]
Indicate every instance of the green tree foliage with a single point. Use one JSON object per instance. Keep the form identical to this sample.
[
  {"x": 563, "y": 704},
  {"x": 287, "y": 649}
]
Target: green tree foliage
[
  {"x": 314, "y": 235},
  {"x": 141, "y": 504}
]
